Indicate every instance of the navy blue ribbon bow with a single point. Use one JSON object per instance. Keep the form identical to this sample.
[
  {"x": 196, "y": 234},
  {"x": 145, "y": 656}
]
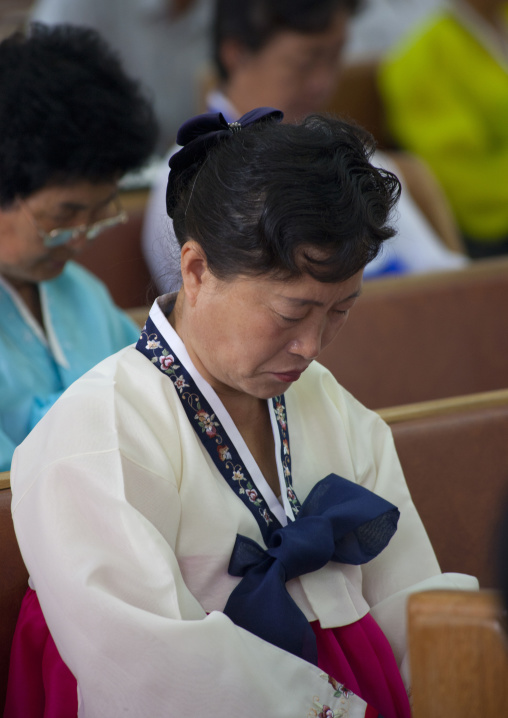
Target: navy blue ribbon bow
[
  {"x": 199, "y": 134},
  {"x": 339, "y": 521}
]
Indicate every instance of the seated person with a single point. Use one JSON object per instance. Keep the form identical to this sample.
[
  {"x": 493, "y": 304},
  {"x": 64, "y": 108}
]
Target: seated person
[
  {"x": 169, "y": 496},
  {"x": 287, "y": 54},
  {"x": 162, "y": 43},
  {"x": 445, "y": 91},
  {"x": 71, "y": 124},
  {"x": 381, "y": 23}
]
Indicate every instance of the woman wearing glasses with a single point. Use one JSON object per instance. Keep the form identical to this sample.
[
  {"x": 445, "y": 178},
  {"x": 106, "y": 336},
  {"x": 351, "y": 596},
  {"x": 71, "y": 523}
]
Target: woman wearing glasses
[{"x": 71, "y": 124}]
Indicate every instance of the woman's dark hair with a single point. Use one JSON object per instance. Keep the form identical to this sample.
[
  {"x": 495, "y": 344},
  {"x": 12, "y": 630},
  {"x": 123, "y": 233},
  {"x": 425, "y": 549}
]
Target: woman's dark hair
[
  {"x": 287, "y": 199},
  {"x": 68, "y": 112},
  {"x": 254, "y": 22}
]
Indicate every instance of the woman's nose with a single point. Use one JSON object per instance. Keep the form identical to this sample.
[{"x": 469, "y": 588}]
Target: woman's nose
[{"x": 307, "y": 344}]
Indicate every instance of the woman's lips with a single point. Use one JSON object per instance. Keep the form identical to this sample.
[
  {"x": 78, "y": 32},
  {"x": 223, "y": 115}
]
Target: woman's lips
[{"x": 288, "y": 376}]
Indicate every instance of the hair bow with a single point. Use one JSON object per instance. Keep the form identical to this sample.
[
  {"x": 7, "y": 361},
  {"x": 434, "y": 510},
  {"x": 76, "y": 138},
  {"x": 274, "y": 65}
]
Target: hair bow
[{"x": 199, "y": 134}]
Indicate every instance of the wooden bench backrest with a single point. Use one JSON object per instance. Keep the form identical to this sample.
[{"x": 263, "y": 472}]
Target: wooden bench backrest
[
  {"x": 419, "y": 338},
  {"x": 139, "y": 315},
  {"x": 357, "y": 97},
  {"x": 13, "y": 583},
  {"x": 454, "y": 455},
  {"x": 458, "y": 654}
]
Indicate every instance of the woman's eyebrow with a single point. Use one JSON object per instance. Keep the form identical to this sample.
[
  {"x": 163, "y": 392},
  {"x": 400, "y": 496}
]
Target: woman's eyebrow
[
  {"x": 313, "y": 302},
  {"x": 78, "y": 206}
]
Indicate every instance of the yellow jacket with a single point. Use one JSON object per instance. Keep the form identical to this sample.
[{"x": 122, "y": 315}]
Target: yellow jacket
[{"x": 446, "y": 97}]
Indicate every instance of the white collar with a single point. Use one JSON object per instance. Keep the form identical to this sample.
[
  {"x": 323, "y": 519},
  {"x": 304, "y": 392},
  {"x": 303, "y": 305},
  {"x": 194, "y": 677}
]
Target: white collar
[{"x": 157, "y": 315}]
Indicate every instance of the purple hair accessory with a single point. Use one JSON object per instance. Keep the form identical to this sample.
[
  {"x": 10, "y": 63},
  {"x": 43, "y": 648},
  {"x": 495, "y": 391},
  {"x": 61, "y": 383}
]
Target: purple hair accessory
[{"x": 199, "y": 134}]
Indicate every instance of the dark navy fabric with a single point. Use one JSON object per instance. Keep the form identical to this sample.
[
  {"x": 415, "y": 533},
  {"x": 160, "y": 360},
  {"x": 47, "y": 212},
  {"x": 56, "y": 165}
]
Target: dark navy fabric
[
  {"x": 339, "y": 521},
  {"x": 198, "y": 135}
]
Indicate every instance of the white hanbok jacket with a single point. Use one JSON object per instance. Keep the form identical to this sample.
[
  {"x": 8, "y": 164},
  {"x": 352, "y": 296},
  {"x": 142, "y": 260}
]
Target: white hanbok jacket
[{"x": 127, "y": 528}]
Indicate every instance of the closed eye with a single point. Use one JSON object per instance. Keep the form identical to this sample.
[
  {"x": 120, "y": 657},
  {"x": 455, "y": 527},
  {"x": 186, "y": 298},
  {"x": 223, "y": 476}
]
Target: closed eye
[
  {"x": 63, "y": 217},
  {"x": 290, "y": 319}
]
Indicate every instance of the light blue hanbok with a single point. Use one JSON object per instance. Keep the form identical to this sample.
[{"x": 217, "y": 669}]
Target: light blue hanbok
[{"x": 82, "y": 327}]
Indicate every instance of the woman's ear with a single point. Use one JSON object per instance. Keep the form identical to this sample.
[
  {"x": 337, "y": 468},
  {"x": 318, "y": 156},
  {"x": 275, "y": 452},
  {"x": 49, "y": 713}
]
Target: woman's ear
[
  {"x": 194, "y": 270},
  {"x": 233, "y": 55}
]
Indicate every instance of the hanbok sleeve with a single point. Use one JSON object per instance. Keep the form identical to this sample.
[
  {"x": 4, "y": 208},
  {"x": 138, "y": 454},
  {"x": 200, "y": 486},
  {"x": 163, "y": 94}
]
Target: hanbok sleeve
[
  {"x": 7, "y": 447},
  {"x": 99, "y": 530},
  {"x": 408, "y": 564}
]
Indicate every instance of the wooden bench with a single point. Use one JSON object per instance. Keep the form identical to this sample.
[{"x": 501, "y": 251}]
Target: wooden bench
[
  {"x": 454, "y": 454},
  {"x": 458, "y": 654},
  {"x": 139, "y": 314},
  {"x": 424, "y": 337},
  {"x": 13, "y": 582},
  {"x": 358, "y": 98}
]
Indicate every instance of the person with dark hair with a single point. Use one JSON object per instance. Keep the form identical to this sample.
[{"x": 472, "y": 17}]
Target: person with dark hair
[
  {"x": 71, "y": 124},
  {"x": 210, "y": 522},
  {"x": 290, "y": 49},
  {"x": 162, "y": 43},
  {"x": 288, "y": 54}
]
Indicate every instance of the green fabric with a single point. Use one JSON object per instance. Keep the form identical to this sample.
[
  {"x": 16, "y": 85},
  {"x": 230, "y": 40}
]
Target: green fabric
[{"x": 446, "y": 99}]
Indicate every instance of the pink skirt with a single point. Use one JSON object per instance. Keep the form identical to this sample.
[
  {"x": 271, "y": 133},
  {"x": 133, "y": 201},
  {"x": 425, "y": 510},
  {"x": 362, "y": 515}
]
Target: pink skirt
[
  {"x": 40, "y": 685},
  {"x": 358, "y": 658}
]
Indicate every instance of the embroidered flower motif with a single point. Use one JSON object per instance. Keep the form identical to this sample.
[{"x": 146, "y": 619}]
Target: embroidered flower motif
[
  {"x": 180, "y": 383},
  {"x": 167, "y": 361},
  {"x": 287, "y": 472},
  {"x": 252, "y": 494},
  {"x": 291, "y": 494},
  {"x": 285, "y": 446},
  {"x": 206, "y": 422},
  {"x": 224, "y": 452},
  {"x": 331, "y": 680},
  {"x": 321, "y": 710},
  {"x": 161, "y": 355},
  {"x": 280, "y": 415},
  {"x": 152, "y": 344},
  {"x": 340, "y": 688},
  {"x": 343, "y": 691}
]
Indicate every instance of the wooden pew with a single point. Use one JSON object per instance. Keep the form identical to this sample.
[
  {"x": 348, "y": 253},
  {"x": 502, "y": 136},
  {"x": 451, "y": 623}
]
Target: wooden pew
[
  {"x": 423, "y": 337},
  {"x": 454, "y": 454},
  {"x": 13, "y": 582},
  {"x": 458, "y": 654},
  {"x": 357, "y": 97}
]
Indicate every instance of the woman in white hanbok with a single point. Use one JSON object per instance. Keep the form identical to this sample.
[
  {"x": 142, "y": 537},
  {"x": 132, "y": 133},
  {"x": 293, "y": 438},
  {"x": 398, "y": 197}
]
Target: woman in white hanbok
[{"x": 212, "y": 525}]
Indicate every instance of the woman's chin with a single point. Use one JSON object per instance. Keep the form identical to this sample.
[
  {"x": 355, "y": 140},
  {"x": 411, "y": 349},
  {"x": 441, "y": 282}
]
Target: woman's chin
[{"x": 51, "y": 270}]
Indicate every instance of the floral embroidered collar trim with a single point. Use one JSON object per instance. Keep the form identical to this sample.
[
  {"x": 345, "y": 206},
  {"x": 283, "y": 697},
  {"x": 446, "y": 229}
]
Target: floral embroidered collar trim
[{"x": 205, "y": 410}]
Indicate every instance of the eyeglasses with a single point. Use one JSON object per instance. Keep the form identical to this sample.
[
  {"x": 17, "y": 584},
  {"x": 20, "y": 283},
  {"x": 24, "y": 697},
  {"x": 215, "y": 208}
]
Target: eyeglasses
[{"x": 60, "y": 236}]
